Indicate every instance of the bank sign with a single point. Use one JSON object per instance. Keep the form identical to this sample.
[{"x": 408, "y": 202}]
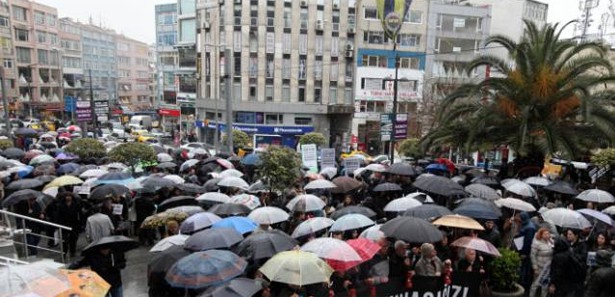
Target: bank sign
[{"x": 294, "y": 130}]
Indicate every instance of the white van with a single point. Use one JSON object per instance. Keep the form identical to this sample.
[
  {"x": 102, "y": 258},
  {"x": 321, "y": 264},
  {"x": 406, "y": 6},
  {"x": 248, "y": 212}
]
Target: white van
[{"x": 140, "y": 122}]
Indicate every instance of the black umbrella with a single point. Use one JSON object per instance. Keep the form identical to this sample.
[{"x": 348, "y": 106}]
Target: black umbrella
[
  {"x": 13, "y": 153},
  {"x": 67, "y": 168},
  {"x": 209, "y": 239},
  {"x": 410, "y": 229},
  {"x": 402, "y": 169},
  {"x": 46, "y": 178},
  {"x": 238, "y": 287},
  {"x": 265, "y": 245},
  {"x": 177, "y": 201},
  {"x": 387, "y": 187},
  {"x": 159, "y": 265},
  {"x": 190, "y": 188},
  {"x": 26, "y": 183},
  {"x": 158, "y": 149},
  {"x": 114, "y": 176},
  {"x": 345, "y": 184},
  {"x": 353, "y": 209},
  {"x": 166, "y": 165},
  {"x": 427, "y": 211},
  {"x": 25, "y": 132},
  {"x": 5, "y": 164},
  {"x": 83, "y": 168},
  {"x": 157, "y": 182},
  {"x": 45, "y": 169},
  {"x": 19, "y": 196},
  {"x": 229, "y": 209},
  {"x": 116, "y": 242},
  {"x": 487, "y": 180},
  {"x": 212, "y": 185},
  {"x": 107, "y": 191},
  {"x": 478, "y": 208},
  {"x": 439, "y": 185},
  {"x": 562, "y": 188}
]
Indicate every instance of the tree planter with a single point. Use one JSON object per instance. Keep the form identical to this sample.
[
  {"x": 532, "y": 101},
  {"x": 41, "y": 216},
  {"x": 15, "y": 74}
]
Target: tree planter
[{"x": 517, "y": 293}]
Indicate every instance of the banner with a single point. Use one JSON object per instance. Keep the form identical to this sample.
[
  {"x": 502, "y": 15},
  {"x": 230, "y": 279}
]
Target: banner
[
  {"x": 463, "y": 285},
  {"x": 327, "y": 158},
  {"x": 309, "y": 156},
  {"x": 391, "y": 14}
]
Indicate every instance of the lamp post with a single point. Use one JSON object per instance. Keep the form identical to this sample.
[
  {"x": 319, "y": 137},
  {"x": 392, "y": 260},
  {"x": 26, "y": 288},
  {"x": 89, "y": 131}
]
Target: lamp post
[{"x": 5, "y": 103}]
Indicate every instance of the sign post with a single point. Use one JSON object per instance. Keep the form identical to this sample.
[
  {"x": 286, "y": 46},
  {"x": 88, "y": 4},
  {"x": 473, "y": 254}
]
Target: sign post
[{"x": 386, "y": 126}]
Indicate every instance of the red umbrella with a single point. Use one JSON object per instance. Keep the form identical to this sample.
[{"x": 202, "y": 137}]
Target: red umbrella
[
  {"x": 364, "y": 247},
  {"x": 449, "y": 164},
  {"x": 73, "y": 128},
  {"x": 31, "y": 154}
]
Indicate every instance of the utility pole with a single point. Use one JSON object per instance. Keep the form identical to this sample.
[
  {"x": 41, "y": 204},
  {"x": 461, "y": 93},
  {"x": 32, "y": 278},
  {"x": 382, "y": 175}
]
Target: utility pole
[
  {"x": 228, "y": 74},
  {"x": 392, "y": 149},
  {"x": 586, "y": 7},
  {"x": 5, "y": 103},
  {"x": 92, "y": 109}
]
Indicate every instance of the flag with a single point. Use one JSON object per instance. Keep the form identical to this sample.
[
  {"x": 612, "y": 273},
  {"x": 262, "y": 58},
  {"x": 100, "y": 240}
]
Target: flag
[{"x": 391, "y": 14}]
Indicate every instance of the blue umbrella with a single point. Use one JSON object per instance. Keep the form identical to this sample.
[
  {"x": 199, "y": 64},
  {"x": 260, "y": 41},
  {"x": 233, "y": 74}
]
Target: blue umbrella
[
  {"x": 24, "y": 171},
  {"x": 436, "y": 167},
  {"x": 478, "y": 208},
  {"x": 251, "y": 159},
  {"x": 204, "y": 269},
  {"x": 117, "y": 178},
  {"x": 67, "y": 168},
  {"x": 242, "y": 225}
]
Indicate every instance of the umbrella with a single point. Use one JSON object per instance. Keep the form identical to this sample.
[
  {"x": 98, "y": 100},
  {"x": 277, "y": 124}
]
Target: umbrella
[
  {"x": 436, "y": 167},
  {"x": 198, "y": 222},
  {"x": 231, "y": 173},
  {"x": 167, "y": 242},
  {"x": 187, "y": 165},
  {"x": 402, "y": 204},
  {"x": 25, "y": 132},
  {"x": 162, "y": 262},
  {"x": 164, "y": 157},
  {"x": 160, "y": 219},
  {"x": 402, "y": 169},
  {"x": 351, "y": 222},
  {"x": 84, "y": 168},
  {"x": 268, "y": 215},
  {"x": 117, "y": 165},
  {"x": 158, "y": 149},
  {"x": 476, "y": 244},
  {"x": 562, "y": 188},
  {"x": 427, "y": 211},
  {"x": 176, "y": 201},
  {"x": 234, "y": 182},
  {"x": 248, "y": 200},
  {"x": 352, "y": 210},
  {"x": 312, "y": 226},
  {"x": 251, "y": 159},
  {"x": 364, "y": 247},
  {"x": 537, "y": 181},
  {"x": 478, "y": 209},
  {"x": 212, "y": 185},
  {"x": 242, "y": 225},
  {"x": 19, "y": 196},
  {"x": 187, "y": 209},
  {"x": 175, "y": 178},
  {"x": 490, "y": 181},
  {"x": 26, "y": 183},
  {"x": 421, "y": 197},
  {"x": 214, "y": 197},
  {"x": 376, "y": 168},
  {"x": 166, "y": 165},
  {"x": 53, "y": 192},
  {"x": 230, "y": 209},
  {"x": 239, "y": 287},
  {"x": 411, "y": 229},
  {"x": 439, "y": 185},
  {"x": 13, "y": 153},
  {"x": 609, "y": 210},
  {"x": 458, "y": 221},
  {"x": 203, "y": 269},
  {"x": 45, "y": 169},
  {"x": 31, "y": 154},
  {"x": 93, "y": 173},
  {"x": 345, "y": 184},
  {"x": 306, "y": 203},
  {"x": 566, "y": 218},
  {"x": 387, "y": 187},
  {"x": 595, "y": 195},
  {"x": 73, "y": 128},
  {"x": 157, "y": 182},
  {"x": 67, "y": 168},
  {"x": 482, "y": 191},
  {"x": 32, "y": 280},
  {"x": 265, "y": 245},
  {"x": 330, "y": 172},
  {"x": 115, "y": 242},
  {"x": 319, "y": 184},
  {"x": 373, "y": 233},
  {"x": 40, "y": 159},
  {"x": 597, "y": 215},
  {"x": 258, "y": 186},
  {"x": 66, "y": 180},
  {"x": 115, "y": 178},
  {"x": 520, "y": 188},
  {"x": 209, "y": 239},
  {"x": 66, "y": 157},
  {"x": 297, "y": 268},
  {"x": 225, "y": 163},
  {"x": 339, "y": 254},
  {"x": 22, "y": 171},
  {"x": 190, "y": 188},
  {"x": 108, "y": 191},
  {"x": 516, "y": 204},
  {"x": 85, "y": 282}
]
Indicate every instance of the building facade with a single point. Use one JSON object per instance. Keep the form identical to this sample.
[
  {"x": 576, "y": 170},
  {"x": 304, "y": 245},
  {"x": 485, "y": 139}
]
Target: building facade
[
  {"x": 167, "y": 64},
  {"x": 99, "y": 64},
  {"x": 292, "y": 68},
  {"x": 7, "y": 53},
  {"x": 186, "y": 68},
  {"x": 37, "y": 51},
  {"x": 72, "y": 63},
  {"x": 133, "y": 75}
]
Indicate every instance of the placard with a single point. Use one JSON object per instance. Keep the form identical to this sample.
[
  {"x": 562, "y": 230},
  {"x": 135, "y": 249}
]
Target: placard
[
  {"x": 117, "y": 209},
  {"x": 309, "y": 156},
  {"x": 386, "y": 126},
  {"x": 327, "y": 158},
  {"x": 81, "y": 190},
  {"x": 351, "y": 164}
]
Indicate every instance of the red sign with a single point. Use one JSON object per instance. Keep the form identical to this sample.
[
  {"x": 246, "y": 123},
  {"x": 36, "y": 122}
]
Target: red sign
[
  {"x": 169, "y": 112},
  {"x": 117, "y": 111},
  {"x": 354, "y": 139}
]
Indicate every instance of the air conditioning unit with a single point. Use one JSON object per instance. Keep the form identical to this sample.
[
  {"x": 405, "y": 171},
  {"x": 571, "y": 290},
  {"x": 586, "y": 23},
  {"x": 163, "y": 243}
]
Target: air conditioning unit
[
  {"x": 320, "y": 25},
  {"x": 351, "y": 30},
  {"x": 303, "y": 3},
  {"x": 349, "y": 47},
  {"x": 349, "y": 54},
  {"x": 336, "y": 5}
]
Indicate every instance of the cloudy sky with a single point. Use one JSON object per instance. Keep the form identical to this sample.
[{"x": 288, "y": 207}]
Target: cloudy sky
[{"x": 135, "y": 18}]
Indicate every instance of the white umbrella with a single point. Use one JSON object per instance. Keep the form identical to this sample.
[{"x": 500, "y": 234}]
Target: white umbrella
[
  {"x": 506, "y": 181},
  {"x": 376, "y": 167},
  {"x": 175, "y": 178},
  {"x": 168, "y": 242},
  {"x": 311, "y": 226},
  {"x": 609, "y": 210},
  {"x": 197, "y": 151},
  {"x": 268, "y": 215},
  {"x": 332, "y": 249},
  {"x": 373, "y": 233},
  {"x": 424, "y": 175},
  {"x": 116, "y": 165},
  {"x": 566, "y": 218},
  {"x": 537, "y": 181},
  {"x": 248, "y": 200},
  {"x": 516, "y": 204},
  {"x": 214, "y": 197},
  {"x": 330, "y": 172},
  {"x": 51, "y": 191},
  {"x": 320, "y": 184},
  {"x": 93, "y": 173},
  {"x": 234, "y": 182},
  {"x": 422, "y": 195},
  {"x": 482, "y": 191},
  {"x": 359, "y": 171},
  {"x": 402, "y": 204},
  {"x": 596, "y": 195},
  {"x": 230, "y": 173},
  {"x": 164, "y": 157},
  {"x": 188, "y": 164},
  {"x": 305, "y": 203},
  {"x": 350, "y": 222},
  {"x": 520, "y": 188}
]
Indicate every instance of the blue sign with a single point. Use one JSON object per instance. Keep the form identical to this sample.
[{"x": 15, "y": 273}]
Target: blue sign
[
  {"x": 69, "y": 104},
  {"x": 254, "y": 129}
]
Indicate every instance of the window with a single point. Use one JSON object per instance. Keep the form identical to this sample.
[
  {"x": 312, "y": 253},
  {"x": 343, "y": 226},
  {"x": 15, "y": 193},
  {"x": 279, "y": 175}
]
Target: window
[
  {"x": 318, "y": 70},
  {"x": 51, "y": 20},
  {"x": 286, "y": 68},
  {"x": 374, "y": 61},
  {"x": 409, "y": 63},
  {"x": 270, "y": 42},
  {"x": 408, "y": 40},
  {"x": 303, "y": 121},
  {"x": 371, "y": 13},
  {"x": 237, "y": 40},
  {"x": 123, "y": 73},
  {"x": 53, "y": 58},
  {"x": 373, "y": 37},
  {"x": 4, "y": 21},
  {"x": 53, "y": 38},
  {"x": 19, "y": 13},
  {"x": 8, "y": 63},
  {"x": 304, "y": 18},
  {"x": 335, "y": 50},
  {"x": 237, "y": 65},
  {"x": 372, "y": 84},
  {"x": 253, "y": 66},
  {"x": 334, "y": 73},
  {"x": 286, "y": 93},
  {"x": 187, "y": 6},
  {"x": 287, "y": 42},
  {"x": 301, "y": 94},
  {"x": 288, "y": 17},
  {"x": 333, "y": 95},
  {"x": 39, "y": 17},
  {"x": 318, "y": 42},
  {"x": 41, "y": 36},
  {"x": 237, "y": 91},
  {"x": 414, "y": 17},
  {"x": 274, "y": 119},
  {"x": 348, "y": 96},
  {"x": 21, "y": 35},
  {"x": 303, "y": 44},
  {"x": 302, "y": 69},
  {"x": 317, "y": 95},
  {"x": 6, "y": 43},
  {"x": 270, "y": 66},
  {"x": 269, "y": 93},
  {"x": 253, "y": 42},
  {"x": 408, "y": 85},
  {"x": 187, "y": 30},
  {"x": 123, "y": 60},
  {"x": 252, "y": 95},
  {"x": 43, "y": 57}
]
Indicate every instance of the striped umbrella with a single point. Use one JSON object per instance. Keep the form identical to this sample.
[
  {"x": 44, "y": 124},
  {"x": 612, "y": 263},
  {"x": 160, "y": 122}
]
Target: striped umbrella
[{"x": 204, "y": 269}]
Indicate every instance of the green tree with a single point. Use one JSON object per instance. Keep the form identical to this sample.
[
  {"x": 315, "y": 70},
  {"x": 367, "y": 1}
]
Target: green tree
[
  {"x": 5, "y": 143},
  {"x": 279, "y": 167},
  {"x": 240, "y": 139},
  {"x": 131, "y": 153},
  {"x": 410, "y": 148},
  {"x": 552, "y": 99},
  {"x": 313, "y": 137},
  {"x": 604, "y": 157},
  {"x": 86, "y": 148}
]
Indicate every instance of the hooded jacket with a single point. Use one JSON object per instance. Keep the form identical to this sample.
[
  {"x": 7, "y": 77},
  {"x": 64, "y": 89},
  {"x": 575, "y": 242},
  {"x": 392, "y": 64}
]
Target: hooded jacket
[
  {"x": 560, "y": 265},
  {"x": 601, "y": 280}
]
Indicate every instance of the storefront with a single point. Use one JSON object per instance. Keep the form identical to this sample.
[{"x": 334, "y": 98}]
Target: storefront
[
  {"x": 169, "y": 118},
  {"x": 290, "y": 134}
]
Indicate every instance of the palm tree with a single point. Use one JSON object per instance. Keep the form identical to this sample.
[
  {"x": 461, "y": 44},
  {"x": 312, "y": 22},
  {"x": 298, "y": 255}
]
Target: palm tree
[{"x": 553, "y": 99}]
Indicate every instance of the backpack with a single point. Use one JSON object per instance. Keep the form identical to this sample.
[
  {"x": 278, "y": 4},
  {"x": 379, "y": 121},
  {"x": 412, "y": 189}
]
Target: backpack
[{"x": 577, "y": 267}]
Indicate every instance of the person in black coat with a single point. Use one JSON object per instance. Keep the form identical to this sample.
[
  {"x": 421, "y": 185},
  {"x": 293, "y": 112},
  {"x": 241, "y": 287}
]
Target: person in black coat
[
  {"x": 144, "y": 207},
  {"x": 108, "y": 264},
  {"x": 562, "y": 282},
  {"x": 69, "y": 215},
  {"x": 601, "y": 280}
]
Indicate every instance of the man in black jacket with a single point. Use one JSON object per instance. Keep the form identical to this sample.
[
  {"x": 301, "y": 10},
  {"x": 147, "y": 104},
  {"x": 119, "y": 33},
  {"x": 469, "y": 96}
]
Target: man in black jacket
[
  {"x": 601, "y": 280},
  {"x": 563, "y": 283},
  {"x": 108, "y": 264}
]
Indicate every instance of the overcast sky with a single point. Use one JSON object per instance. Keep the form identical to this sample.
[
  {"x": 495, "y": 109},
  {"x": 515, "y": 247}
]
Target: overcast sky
[{"x": 135, "y": 18}]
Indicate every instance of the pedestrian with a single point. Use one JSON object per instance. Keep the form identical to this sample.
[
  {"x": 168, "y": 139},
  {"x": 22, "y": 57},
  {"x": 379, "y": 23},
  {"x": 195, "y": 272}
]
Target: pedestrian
[
  {"x": 399, "y": 263},
  {"x": 601, "y": 242},
  {"x": 601, "y": 282},
  {"x": 491, "y": 234},
  {"x": 30, "y": 208},
  {"x": 473, "y": 266},
  {"x": 108, "y": 264},
  {"x": 98, "y": 225},
  {"x": 541, "y": 255},
  {"x": 428, "y": 269},
  {"x": 69, "y": 215},
  {"x": 527, "y": 230},
  {"x": 565, "y": 275}
]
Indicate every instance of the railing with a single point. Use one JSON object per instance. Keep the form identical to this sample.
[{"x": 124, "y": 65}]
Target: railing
[{"x": 9, "y": 217}]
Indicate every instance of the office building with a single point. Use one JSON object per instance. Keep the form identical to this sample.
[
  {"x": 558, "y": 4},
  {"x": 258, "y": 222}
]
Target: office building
[
  {"x": 167, "y": 65},
  {"x": 133, "y": 73}
]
